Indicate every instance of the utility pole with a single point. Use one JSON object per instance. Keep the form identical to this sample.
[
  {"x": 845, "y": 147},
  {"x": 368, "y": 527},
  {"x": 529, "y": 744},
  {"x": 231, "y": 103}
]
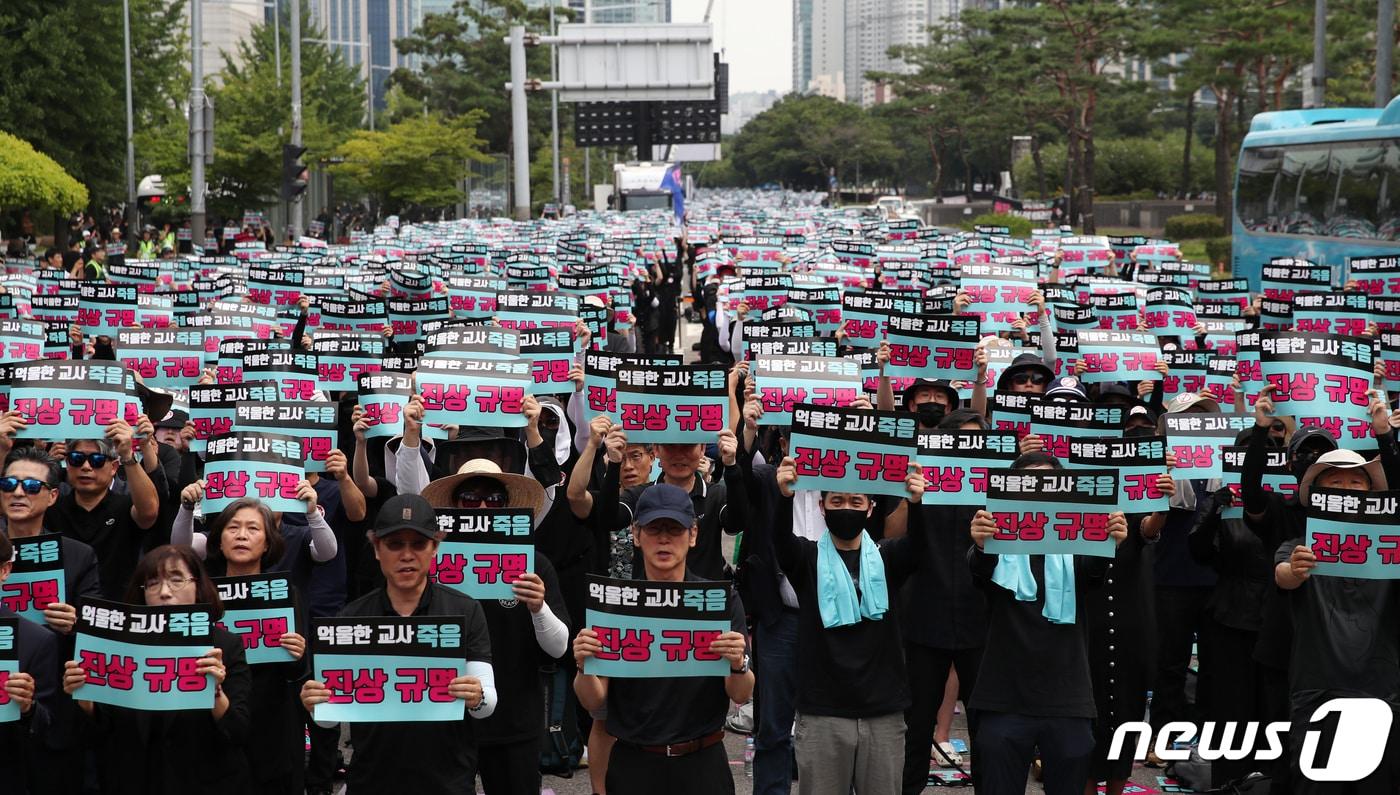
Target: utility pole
[
  {"x": 277, "y": 38},
  {"x": 554, "y": 103},
  {"x": 197, "y": 122},
  {"x": 294, "y": 210},
  {"x": 519, "y": 134},
  {"x": 1319, "y": 78},
  {"x": 133, "y": 211},
  {"x": 1385, "y": 49}
]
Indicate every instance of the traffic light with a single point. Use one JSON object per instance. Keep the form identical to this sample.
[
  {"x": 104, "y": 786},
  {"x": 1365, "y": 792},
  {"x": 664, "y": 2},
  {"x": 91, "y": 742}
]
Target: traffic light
[{"x": 294, "y": 172}]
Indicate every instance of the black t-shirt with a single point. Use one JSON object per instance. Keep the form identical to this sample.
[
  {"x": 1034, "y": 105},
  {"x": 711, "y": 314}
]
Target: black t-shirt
[
  {"x": 109, "y": 529},
  {"x": 1284, "y": 519},
  {"x": 432, "y": 757},
  {"x": 1031, "y": 666},
  {"x": 940, "y": 607},
  {"x": 517, "y": 658},
  {"x": 1346, "y": 638},
  {"x": 670, "y": 710},
  {"x": 855, "y": 671}
]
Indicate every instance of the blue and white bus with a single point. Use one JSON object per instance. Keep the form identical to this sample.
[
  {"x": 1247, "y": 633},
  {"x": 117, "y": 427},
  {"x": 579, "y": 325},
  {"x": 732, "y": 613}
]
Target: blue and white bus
[{"x": 1319, "y": 184}]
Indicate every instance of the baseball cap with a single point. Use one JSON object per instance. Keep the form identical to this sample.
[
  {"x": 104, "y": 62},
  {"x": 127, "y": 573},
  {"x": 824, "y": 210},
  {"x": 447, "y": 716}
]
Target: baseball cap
[
  {"x": 1188, "y": 400},
  {"x": 406, "y": 512},
  {"x": 664, "y": 501},
  {"x": 1067, "y": 388},
  {"x": 175, "y": 419}
]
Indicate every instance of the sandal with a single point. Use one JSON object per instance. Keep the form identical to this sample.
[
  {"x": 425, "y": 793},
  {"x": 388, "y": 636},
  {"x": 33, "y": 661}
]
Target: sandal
[{"x": 945, "y": 756}]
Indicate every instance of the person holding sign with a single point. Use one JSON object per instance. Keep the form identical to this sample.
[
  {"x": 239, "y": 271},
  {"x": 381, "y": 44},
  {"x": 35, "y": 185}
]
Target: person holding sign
[
  {"x": 115, "y": 525},
  {"x": 244, "y": 539},
  {"x": 669, "y": 730},
  {"x": 142, "y": 750},
  {"x": 1035, "y": 615},
  {"x": 29, "y": 695},
  {"x": 852, "y": 684},
  {"x": 391, "y": 757},
  {"x": 1344, "y": 638}
]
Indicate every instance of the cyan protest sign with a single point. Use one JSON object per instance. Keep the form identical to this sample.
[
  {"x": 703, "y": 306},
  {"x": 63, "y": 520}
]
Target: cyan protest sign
[
  {"x": 1140, "y": 461},
  {"x": 68, "y": 400},
  {"x": 956, "y": 463},
  {"x": 781, "y": 382},
  {"x": 144, "y": 658},
  {"x": 1048, "y": 512},
  {"x": 9, "y": 664},
  {"x": 852, "y": 450},
  {"x": 241, "y": 464},
  {"x": 1354, "y": 534},
  {"x": 36, "y": 579},
  {"x": 314, "y": 423},
  {"x": 474, "y": 392},
  {"x": 259, "y": 608},
  {"x": 600, "y": 378},
  {"x": 672, "y": 405},
  {"x": 933, "y": 346},
  {"x": 656, "y": 629},
  {"x": 484, "y": 551},
  {"x": 392, "y": 669},
  {"x": 1196, "y": 440}
]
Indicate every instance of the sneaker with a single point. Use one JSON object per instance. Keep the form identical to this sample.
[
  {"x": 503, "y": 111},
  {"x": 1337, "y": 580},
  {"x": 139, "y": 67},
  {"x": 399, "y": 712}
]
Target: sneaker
[{"x": 945, "y": 756}]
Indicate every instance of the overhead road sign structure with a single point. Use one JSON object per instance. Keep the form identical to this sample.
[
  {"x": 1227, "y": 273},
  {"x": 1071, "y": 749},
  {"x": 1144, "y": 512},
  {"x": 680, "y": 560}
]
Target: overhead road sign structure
[{"x": 620, "y": 63}]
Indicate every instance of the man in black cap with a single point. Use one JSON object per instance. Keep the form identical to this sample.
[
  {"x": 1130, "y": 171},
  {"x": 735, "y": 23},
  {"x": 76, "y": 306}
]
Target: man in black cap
[
  {"x": 417, "y": 757},
  {"x": 669, "y": 730}
]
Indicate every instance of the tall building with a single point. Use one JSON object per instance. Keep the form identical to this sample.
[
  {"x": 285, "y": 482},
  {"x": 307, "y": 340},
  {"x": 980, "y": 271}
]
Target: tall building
[
  {"x": 617, "y": 12},
  {"x": 801, "y": 44},
  {"x": 365, "y": 31},
  {"x": 226, "y": 23}
]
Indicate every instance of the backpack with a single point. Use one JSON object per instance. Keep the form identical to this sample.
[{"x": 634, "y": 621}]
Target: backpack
[{"x": 562, "y": 748}]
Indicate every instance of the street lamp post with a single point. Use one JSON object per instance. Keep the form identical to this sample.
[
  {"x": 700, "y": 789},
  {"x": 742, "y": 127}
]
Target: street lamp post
[{"x": 133, "y": 211}]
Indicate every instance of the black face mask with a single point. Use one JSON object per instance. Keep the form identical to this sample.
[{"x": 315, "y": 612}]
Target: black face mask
[
  {"x": 845, "y": 523},
  {"x": 1304, "y": 459},
  {"x": 929, "y": 414},
  {"x": 549, "y": 434},
  {"x": 1139, "y": 431}
]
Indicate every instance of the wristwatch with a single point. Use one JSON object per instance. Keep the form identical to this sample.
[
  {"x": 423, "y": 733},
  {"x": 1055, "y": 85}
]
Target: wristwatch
[
  {"x": 126, "y": 462},
  {"x": 743, "y": 669}
]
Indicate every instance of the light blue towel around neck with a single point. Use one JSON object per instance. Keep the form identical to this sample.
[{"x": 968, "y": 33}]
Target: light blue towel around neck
[
  {"x": 836, "y": 591},
  {"x": 1013, "y": 572}
]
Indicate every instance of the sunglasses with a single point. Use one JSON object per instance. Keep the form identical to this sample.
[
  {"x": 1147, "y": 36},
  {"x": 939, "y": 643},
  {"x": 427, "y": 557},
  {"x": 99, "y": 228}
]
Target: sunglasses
[
  {"x": 1032, "y": 377},
  {"x": 76, "y": 459},
  {"x": 30, "y": 485},
  {"x": 471, "y": 499},
  {"x": 418, "y": 544},
  {"x": 671, "y": 529}
]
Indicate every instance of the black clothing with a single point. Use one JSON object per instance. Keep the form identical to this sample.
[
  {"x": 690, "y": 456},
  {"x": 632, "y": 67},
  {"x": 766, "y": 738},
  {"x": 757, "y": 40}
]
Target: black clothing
[
  {"x": 718, "y": 507},
  {"x": 858, "y": 670},
  {"x": 174, "y": 753},
  {"x": 668, "y": 710},
  {"x": 111, "y": 533},
  {"x": 1017, "y": 632},
  {"x": 1122, "y": 640},
  {"x": 516, "y": 661},
  {"x": 941, "y": 607},
  {"x": 435, "y": 757},
  {"x": 632, "y": 771},
  {"x": 28, "y": 743}
]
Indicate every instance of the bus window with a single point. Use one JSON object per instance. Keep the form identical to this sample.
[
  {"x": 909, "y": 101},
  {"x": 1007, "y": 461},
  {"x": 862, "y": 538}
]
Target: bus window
[
  {"x": 1388, "y": 212},
  {"x": 1358, "y": 167},
  {"x": 1254, "y": 196},
  {"x": 1305, "y": 189}
]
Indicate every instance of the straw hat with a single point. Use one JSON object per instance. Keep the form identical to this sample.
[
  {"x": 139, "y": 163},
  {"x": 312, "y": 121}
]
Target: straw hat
[{"x": 524, "y": 492}]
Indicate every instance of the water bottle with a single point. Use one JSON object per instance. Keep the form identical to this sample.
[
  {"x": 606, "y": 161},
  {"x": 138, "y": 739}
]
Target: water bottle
[{"x": 748, "y": 757}]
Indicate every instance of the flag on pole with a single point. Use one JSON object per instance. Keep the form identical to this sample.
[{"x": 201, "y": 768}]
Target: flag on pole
[{"x": 676, "y": 185}]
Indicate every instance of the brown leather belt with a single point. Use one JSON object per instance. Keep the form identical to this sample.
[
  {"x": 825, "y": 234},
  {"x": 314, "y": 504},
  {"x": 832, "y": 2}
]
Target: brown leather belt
[{"x": 682, "y": 749}]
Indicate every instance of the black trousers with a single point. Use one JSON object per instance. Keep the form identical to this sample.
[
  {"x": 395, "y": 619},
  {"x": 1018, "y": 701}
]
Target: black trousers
[
  {"x": 510, "y": 769},
  {"x": 632, "y": 771},
  {"x": 320, "y": 764},
  {"x": 928, "y": 674},
  {"x": 1182, "y": 618},
  {"x": 1238, "y": 692},
  {"x": 1006, "y": 744}
]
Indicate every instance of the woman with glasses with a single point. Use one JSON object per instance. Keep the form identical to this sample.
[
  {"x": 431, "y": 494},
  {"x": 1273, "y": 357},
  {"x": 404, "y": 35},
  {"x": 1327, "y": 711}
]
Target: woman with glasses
[{"x": 198, "y": 750}]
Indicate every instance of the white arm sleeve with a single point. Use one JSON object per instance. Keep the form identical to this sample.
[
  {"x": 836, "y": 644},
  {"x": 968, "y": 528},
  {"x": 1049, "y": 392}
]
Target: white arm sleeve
[
  {"x": 410, "y": 475},
  {"x": 1048, "y": 352},
  {"x": 182, "y": 532},
  {"x": 323, "y": 544},
  {"x": 550, "y": 632},
  {"x": 574, "y": 411},
  {"x": 483, "y": 672}
]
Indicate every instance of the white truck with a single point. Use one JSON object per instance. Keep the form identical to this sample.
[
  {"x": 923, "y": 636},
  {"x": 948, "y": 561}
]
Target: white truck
[{"x": 639, "y": 186}]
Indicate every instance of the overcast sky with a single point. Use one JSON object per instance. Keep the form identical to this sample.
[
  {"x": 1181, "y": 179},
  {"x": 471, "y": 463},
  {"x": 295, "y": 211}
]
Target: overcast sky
[{"x": 755, "y": 35}]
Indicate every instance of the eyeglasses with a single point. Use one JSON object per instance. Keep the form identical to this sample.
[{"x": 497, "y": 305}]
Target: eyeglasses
[
  {"x": 397, "y": 544},
  {"x": 30, "y": 485},
  {"x": 549, "y": 420},
  {"x": 671, "y": 529},
  {"x": 176, "y": 582},
  {"x": 76, "y": 459},
  {"x": 1031, "y": 377},
  {"x": 471, "y": 499}
]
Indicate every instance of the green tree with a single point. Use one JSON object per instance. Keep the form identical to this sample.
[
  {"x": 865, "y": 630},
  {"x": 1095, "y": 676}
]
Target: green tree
[
  {"x": 64, "y": 86},
  {"x": 801, "y": 139},
  {"x": 416, "y": 164},
  {"x": 466, "y": 65},
  {"x": 32, "y": 179},
  {"x": 253, "y": 114}
]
